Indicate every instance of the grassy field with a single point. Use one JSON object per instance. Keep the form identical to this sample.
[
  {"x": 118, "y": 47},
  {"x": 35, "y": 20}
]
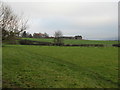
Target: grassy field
[
  {"x": 59, "y": 67},
  {"x": 73, "y": 41}
]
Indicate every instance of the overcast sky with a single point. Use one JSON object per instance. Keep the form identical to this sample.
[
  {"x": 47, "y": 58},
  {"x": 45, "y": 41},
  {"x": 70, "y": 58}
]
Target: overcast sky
[{"x": 92, "y": 20}]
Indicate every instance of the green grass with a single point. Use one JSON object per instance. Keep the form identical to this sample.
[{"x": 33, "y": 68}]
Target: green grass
[
  {"x": 73, "y": 41},
  {"x": 39, "y": 39},
  {"x": 59, "y": 67}
]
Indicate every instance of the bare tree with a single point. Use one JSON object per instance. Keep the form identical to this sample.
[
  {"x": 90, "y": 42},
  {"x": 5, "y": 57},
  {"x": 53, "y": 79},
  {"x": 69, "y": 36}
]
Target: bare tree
[
  {"x": 58, "y": 38},
  {"x": 46, "y": 35},
  {"x": 10, "y": 24}
]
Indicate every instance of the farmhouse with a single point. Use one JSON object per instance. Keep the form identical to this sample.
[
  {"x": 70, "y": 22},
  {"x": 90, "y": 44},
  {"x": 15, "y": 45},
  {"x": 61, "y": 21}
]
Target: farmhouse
[
  {"x": 40, "y": 35},
  {"x": 78, "y": 37}
]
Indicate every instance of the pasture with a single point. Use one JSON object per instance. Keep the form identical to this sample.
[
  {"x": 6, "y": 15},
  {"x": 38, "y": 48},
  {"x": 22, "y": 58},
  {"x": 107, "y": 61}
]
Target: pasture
[{"x": 29, "y": 66}]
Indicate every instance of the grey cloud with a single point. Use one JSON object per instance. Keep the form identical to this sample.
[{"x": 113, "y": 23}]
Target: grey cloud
[{"x": 91, "y": 19}]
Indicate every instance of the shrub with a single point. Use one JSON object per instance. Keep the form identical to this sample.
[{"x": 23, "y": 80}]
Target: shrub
[
  {"x": 116, "y": 45},
  {"x": 25, "y": 42}
]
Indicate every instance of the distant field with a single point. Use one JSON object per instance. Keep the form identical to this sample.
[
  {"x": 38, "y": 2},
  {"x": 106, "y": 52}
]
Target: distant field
[
  {"x": 59, "y": 67},
  {"x": 73, "y": 41}
]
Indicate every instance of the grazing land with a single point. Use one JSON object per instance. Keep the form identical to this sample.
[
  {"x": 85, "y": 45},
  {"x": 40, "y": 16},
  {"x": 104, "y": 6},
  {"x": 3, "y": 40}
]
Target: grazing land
[
  {"x": 73, "y": 41},
  {"x": 30, "y": 66}
]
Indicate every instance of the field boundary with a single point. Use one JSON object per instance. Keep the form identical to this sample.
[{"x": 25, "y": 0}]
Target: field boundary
[{"x": 31, "y": 42}]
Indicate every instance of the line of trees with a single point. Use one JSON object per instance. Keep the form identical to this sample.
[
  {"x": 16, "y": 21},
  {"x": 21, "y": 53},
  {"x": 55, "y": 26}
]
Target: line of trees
[
  {"x": 25, "y": 34},
  {"x": 11, "y": 24}
]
